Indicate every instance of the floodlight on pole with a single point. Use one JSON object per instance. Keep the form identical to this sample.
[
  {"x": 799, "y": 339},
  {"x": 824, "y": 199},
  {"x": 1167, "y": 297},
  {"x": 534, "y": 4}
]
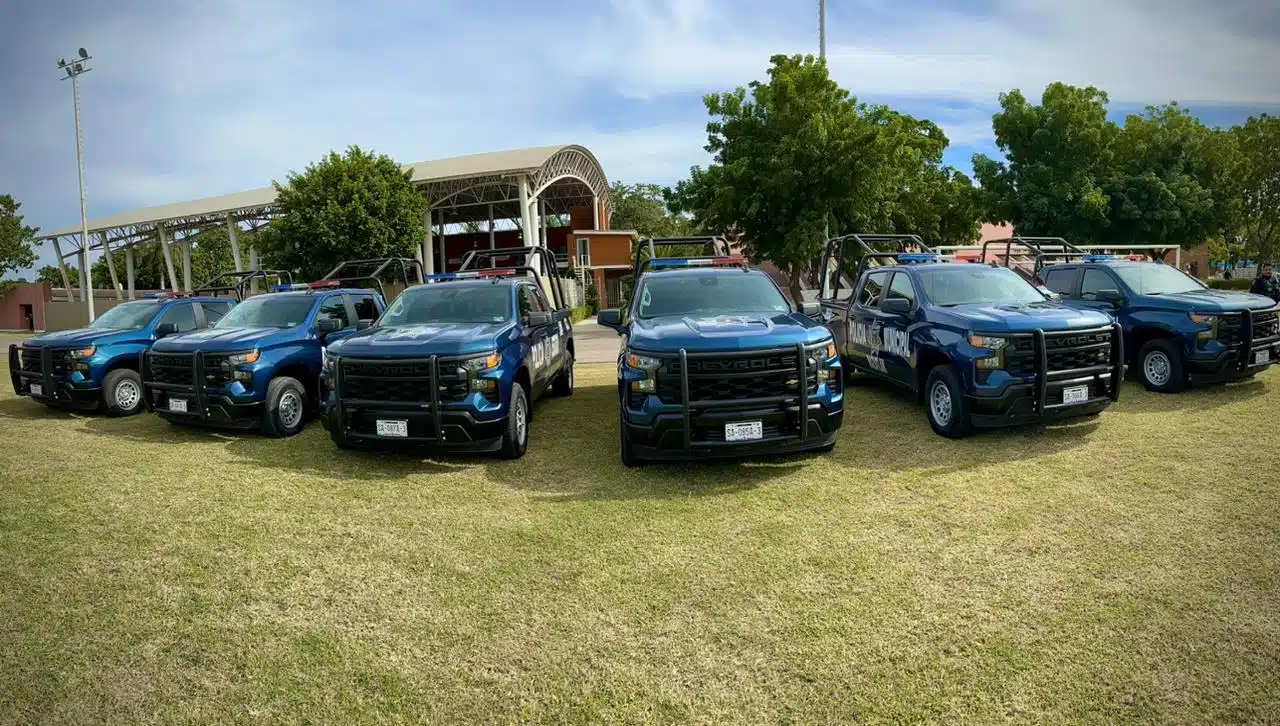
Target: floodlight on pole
[{"x": 73, "y": 71}]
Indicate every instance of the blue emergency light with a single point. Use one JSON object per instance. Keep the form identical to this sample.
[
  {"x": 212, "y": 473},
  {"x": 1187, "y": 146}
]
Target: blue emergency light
[
  {"x": 306, "y": 285},
  {"x": 1098, "y": 258},
  {"x": 693, "y": 261},
  {"x": 916, "y": 257},
  {"x": 469, "y": 275}
]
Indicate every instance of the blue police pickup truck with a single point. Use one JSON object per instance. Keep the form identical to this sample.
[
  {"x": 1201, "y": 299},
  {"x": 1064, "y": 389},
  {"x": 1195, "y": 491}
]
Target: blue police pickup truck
[
  {"x": 455, "y": 364},
  {"x": 1177, "y": 331},
  {"x": 259, "y": 366},
  {"x": 96, "y": 368},
  {"x": 979, "y": 345},
  {"x": 716, "y": 362}
]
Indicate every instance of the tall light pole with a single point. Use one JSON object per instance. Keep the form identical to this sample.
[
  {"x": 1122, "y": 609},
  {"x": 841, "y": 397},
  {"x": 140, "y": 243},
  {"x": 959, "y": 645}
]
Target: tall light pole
[
  {"x": 822, "y": 29},
  {"x": 73, "y": 69}
]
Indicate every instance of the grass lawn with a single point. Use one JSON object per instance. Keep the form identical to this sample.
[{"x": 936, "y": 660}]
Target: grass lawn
[{"x": 1125, "y": 569}]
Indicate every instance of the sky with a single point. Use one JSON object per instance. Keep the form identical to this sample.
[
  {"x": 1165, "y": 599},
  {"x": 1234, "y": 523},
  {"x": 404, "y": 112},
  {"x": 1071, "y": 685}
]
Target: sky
[{"x": 194, "y": 98}]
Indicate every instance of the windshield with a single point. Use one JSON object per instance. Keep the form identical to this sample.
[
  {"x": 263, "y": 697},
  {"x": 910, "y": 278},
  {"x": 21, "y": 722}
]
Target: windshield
[
  {"x": 711, "y": 294},
  {"x": 1154, "y": 279},
  {"x": 977, "y": 284},
  {"x": 268, "y": 311},
  {"x": 129, "y": 316},
  {"x": 450, "y": 304}
]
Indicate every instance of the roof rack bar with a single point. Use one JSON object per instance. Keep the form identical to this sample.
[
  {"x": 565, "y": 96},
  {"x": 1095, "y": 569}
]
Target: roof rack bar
[
  {"x": 403, "y": 265},
  {"x": 237, "y": 281},
  {"x": 719, "y": 248},
  {"x": 546, "y": 267}
]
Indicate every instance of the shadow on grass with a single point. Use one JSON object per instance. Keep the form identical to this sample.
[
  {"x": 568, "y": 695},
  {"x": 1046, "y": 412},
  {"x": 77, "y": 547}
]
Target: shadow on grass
[
  {"x": 24, "y": 408},
  {"x": 574, "y": 455},
  {"x": 886, "y": 429},
  {"x": 1134, "y": 398},
  {"x": 312, "y": 452}
]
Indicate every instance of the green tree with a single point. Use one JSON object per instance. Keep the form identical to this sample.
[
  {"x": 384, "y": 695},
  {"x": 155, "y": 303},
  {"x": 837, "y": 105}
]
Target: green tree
[
  {"x": 1255, "y": 181},
  {"x": 797, "y": 154},
  {"x": 17, "y": 240},
  {"x": 50, "y": 274},
  {"x": 147, "y": 261},
  {"x": 354, "y": 205},
  {"x": 1058, "y": 156},
  {"x": 641, "y": 207}
]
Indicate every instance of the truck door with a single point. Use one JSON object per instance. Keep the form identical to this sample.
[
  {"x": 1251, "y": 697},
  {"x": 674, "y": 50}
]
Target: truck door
[
  {"x": 542, "y": 339},
  {"x": 863, "y": 324},
  {"x": 834, "y": 301},
  {"x": 336, "y": 307},
  {"x": 896, "y": 348}
]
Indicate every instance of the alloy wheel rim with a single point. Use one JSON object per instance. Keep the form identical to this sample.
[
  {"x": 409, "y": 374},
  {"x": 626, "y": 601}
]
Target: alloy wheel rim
[
  {"x": 522, "y": 426},
  {"x": 290, "y": 409},
  {"x": 1157, "y": 368},
  {"x": 940, "y": 403},
  {"x": 127, "y": 395}
]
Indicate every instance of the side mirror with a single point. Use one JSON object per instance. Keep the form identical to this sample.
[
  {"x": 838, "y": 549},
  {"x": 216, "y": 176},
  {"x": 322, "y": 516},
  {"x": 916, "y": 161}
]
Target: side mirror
[
  {"x": 895, "y": 306},
  {"x": 165, "y": 329},
  {"x": 362, "y": 324},
  {"x": 1115, "y": 297},
  {"x": 810, "y": 308},
  {"x": 539, "y": 319},
  {"x": 328, "y": 325},
  {"x": 1050, "y": 294},
  {"x": 611, "y": 318}
]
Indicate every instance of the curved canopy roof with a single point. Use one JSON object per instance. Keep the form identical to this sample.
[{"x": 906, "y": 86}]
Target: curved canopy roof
[{"x": 463, "y": 187}]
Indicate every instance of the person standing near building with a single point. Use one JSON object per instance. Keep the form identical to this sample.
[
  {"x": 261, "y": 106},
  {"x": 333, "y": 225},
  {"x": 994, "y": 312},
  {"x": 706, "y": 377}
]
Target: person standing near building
[{"x": 1266, "y": 283}]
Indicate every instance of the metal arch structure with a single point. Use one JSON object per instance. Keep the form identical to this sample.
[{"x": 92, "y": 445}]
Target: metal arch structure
[{"x": 549, "y": 180}]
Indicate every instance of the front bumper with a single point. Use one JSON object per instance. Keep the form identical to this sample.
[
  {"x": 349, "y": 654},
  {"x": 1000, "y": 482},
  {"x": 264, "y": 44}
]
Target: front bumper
[
  {"x": 1041, "y": 399},
  {"x": 430, "y": 424},
  {"x": 696, "y": 428},
  {"x": 1240, "y": 361},
  {"x": 56, "y": 389},
  {"x": 204, "y": 407}
]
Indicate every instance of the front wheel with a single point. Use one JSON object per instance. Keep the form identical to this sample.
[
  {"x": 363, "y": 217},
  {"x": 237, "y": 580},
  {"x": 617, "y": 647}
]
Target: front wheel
[
  {"x": 1160, "y": 366},
  {"x": 945, "y": 404},
  {"x": 122, "y": 393},
  {"x": 515, "y": 439},
  {"x": 285, "y": 407}
]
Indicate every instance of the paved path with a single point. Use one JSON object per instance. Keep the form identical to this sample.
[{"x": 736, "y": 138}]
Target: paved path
[{"x": 594, "y": 343}]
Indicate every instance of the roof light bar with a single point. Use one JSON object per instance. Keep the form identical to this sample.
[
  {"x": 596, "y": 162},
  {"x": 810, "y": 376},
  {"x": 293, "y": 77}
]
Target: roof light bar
[
  {"x": 318, "y": 284},
  {"x": 171, "y": 293},
  {"x": 1098, "y": 258},
  {"x": 916, "y": 257},
  {"x": 470, "y": 274},
  {"x": 695, "y": 261}
]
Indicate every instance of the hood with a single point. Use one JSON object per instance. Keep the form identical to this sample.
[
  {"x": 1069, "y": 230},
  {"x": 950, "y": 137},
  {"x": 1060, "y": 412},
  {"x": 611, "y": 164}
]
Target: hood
[
  {"x": 745, "y": 331},
  {"x": 216, "y": 340},
  {"x": 1025, "y": 317},
  {"x": 84, "y": 337},
  {"x": 1208, "y": 301},
  {"x": 427, "y": 339}
]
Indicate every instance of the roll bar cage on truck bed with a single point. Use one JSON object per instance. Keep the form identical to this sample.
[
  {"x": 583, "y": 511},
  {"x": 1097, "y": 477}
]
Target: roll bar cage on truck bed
[
  {"x": 546, "y": 268},
  {"x": 236, "y": 282},
  {"x": 1013, "y": 252},
  {"x": 906, "y": 244},
  {"x": 719, "y": 248},
  {"x": 359, "y": 271}
]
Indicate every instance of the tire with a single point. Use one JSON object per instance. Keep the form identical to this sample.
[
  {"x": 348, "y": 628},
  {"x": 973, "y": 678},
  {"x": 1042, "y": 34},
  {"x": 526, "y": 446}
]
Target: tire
[
  {"x": 340, "y": 440},
  {"x": 945, "y": 404},
  {"x": 629, "y": 458},
  {"x": 1160, "y": 367},
  {"x": 286, "y": 407},
  {"x": 563, "y": 384},
  {"x": 122, "y": 393},
  {"x": 515, "y": 436}
]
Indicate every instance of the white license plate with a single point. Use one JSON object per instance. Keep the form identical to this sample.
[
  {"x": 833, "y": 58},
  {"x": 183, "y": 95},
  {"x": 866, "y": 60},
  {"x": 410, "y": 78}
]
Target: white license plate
[
  {"x": 1075, "y": 394},
  {"x": 178, "y": 405},
  {"x": 1262, "y": 357},
  {"x": 37, "y": 389},
  {"x": 398, "y": 429},
  {"x": 748, "y": 431}
]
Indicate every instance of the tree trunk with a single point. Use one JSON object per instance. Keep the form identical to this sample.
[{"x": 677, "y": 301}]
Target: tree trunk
[{"x": 796, "y": 275}]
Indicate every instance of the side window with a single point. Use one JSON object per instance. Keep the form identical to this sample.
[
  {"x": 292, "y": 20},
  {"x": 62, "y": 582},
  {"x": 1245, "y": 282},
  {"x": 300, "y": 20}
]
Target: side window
[
  {"x": 183, "y": 316},
  {"x": 1062, "y": 282},
  {"x": 213, "y": 311},
  {"x": 901, "y": 289},
  {"x": 334, "y": 307},
  {"x": 1096, "y": 281},
  {"x": 869, "y": 295},
  {"x": 529, "y": 302},
  {"x": 366, "y": 307}
]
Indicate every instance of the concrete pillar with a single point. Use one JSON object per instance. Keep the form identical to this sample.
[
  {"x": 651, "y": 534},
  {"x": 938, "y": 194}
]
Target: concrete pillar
[
  {"x": 82, "y": 260},
  {"x": 62, "y": 269},
  {"x": 491, "y": 238},
  {"x": 428, "y": 245},
  {"x": 253, "y": 267},
  {"x": 444, "y": 252},
  {"x": 186, "y": 265},
  {"x": 595, "y": 212},
  {"x": 111, "y": 265},
  {"x": 542, "y": 215},
  {"x": 233, "y": 234},
  {"x": 526, "y": 228},
  {"x": 128, "y": 272},
  {"x": 166, "y": 250}
]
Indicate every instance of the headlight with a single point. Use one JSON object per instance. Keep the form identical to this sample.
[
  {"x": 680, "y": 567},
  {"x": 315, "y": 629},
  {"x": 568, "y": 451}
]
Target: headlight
[
  {"x": 482, "y": 363},
  {"x": 84, "y": 352},
  {"x": 643, "y": 362},
  {"x": 1202, "y": 319},
  {"x": 326, "y": 360},
  {"x": 821, "y": 356},
  {"x": 240, "y": 359},
  {"x": 987, "y": 341}
]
